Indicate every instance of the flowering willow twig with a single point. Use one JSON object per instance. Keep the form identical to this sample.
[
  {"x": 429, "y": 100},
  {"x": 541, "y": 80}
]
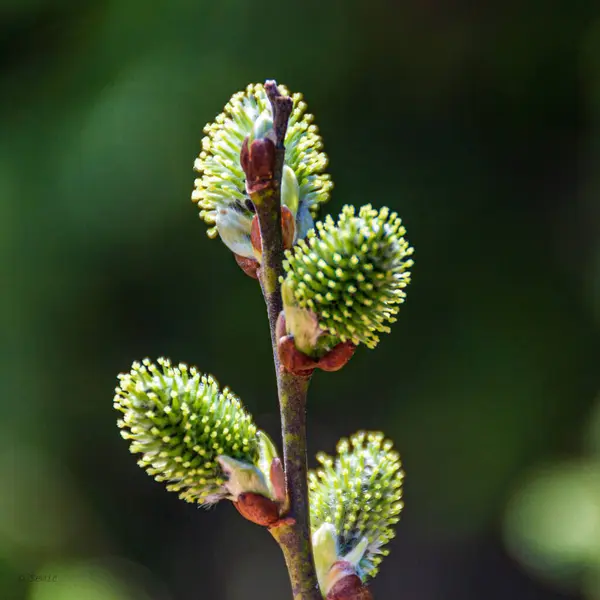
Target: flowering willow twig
[
  {"x": 262, "y": 160},
  {"x": 329, "y": 287}
]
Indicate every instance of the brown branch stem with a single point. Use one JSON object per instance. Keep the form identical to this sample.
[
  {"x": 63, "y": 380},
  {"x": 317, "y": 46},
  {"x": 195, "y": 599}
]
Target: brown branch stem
[{"x": 294, "y": 539}]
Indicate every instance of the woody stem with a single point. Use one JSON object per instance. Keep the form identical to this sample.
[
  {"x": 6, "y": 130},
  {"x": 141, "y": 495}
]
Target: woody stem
[{"x": 293, "y": 538}]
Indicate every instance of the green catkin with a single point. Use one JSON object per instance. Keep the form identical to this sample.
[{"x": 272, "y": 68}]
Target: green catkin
[
  {"x": 180, "y": 422},
  {"x": 352, "y": 274},
  {"x": 220, "y": 190},
  {"x": 359, "y": 493}
]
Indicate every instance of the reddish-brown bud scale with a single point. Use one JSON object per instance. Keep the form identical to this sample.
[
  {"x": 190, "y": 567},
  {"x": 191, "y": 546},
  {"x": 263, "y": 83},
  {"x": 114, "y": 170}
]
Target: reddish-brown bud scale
[
  {"x": 261, "y": 511},
  {"x": 277, "y": 477},
  {"x": 280, "y": 326},
  {"x": 337, "y": 357},
  {"x": 292, "y": 359},
  {"x": 258, "y": 162},
  {"x": 348, "y": 585},
  {"x": 349, "y": 588},
  {"x": 255, "y": 237},
  {"x": 288, "y": 227},
  {"x": 258, "y": 509},
  {"x": 248, "y": 265},
  {"x": 288, "y": 230},
  {"x": 298, "y": 363}
]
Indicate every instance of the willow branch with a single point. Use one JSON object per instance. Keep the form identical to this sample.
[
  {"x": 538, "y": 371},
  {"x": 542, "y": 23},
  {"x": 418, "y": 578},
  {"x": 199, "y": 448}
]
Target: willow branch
[{"x": 263, "y": 163}]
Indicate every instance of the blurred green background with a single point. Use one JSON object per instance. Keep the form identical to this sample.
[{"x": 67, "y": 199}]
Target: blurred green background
[{"x": 478, "y": 122}]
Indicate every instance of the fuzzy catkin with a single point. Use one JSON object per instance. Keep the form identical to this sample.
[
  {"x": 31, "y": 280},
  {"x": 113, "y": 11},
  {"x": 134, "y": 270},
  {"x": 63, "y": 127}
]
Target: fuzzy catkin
[
  {"x": 220, "y": 190},
  {"x": 359, "y": 493},
  {"x": 180, "y": 422},
  {"x": 352, "y": 274}
]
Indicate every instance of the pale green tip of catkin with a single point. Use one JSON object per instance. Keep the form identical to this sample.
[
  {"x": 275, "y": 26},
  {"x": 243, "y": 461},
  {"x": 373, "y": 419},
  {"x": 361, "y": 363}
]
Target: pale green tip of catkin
[
  {"x": 290, "y": 190},
  {"x": 192, "y": 435},
  {"x": 262, "y": 127},
  {"x": 325, "y": 551},
  {"x": 220, "y": 190},
  {"x": 352, "y": 274},
  {"x": 300, "y": 322},
  {"x": 356, "y": 497},
  {"x": 243, "y": 477}
]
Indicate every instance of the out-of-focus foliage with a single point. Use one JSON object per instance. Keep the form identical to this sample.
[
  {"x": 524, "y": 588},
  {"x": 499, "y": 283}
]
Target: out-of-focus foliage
[
  {"x": 479, "y": 124},
  {"x": 553, "y": 521}
]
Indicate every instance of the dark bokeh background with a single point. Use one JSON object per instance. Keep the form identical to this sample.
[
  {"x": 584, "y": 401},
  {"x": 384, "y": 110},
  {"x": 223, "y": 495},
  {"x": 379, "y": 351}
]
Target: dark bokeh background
[{"x": 478, "y": 122}]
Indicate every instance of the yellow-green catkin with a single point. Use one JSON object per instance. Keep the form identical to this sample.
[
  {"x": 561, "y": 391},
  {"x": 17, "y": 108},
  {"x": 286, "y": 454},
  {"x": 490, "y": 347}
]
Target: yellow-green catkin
[
  {"x": 180, "y": 422},
  {"x": 357, "y": 495},
  {"x": 219, "y": 189},
  {"x": 352, "y": 274}
]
